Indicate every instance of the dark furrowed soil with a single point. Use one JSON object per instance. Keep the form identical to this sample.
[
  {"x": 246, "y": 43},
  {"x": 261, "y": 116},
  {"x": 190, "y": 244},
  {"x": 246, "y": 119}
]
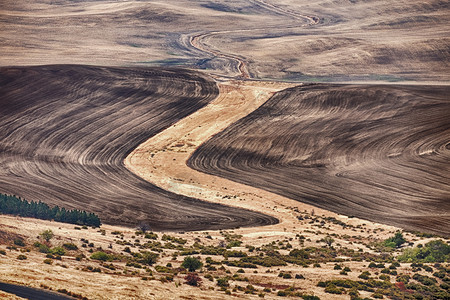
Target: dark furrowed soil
[
  {"x": 377, "y": 152},
  {"x": 66, "y": 129}
]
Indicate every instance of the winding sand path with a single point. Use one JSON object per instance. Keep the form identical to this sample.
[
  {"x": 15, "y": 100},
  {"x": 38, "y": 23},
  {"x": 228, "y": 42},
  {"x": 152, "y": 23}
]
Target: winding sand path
[{"x": 161, "y": 160}]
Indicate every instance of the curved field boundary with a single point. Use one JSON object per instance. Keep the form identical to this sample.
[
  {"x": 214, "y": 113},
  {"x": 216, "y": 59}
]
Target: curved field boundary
[
  {"x": 376, "y": 152},
  {"x": 66, "y": 130}
]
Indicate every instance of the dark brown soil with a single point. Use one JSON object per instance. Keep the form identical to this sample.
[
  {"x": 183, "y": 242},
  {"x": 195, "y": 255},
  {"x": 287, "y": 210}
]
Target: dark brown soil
[
  {"x": 66, "y": 129},
  {"x": 377, "y": 152}
]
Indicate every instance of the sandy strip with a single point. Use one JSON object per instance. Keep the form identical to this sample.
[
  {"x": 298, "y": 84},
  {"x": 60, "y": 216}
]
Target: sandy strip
[{"x": 161, "y": 160}]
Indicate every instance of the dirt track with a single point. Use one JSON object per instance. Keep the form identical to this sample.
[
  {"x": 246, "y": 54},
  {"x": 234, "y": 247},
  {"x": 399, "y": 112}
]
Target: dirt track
[
  {"x": 65, "y": 131},
  {"x": 377, "y": 152}
]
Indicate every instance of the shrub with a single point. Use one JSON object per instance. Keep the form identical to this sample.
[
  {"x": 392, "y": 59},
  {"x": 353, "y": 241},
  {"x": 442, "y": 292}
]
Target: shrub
[
  {"x": 209, "y": 277},
  {"x": 19, "y": 242},
  {"x": 48, "y": 261},
  {"x": 192, "y": 279},
  {"x": 47, "y": 235},
  {"x": 403, "y": 278},
  {"x": 385, "y": 277},
  {"x": 310, "y": 297},
  {"x": 377, "y": 295},
  {"x": 148, "y": 258},
  {"x": 396, "y": 241},
  {"x": 3, "y": 252},
  {"x": 42, "y": 247},
  {"x": 434, "y": 251},
  {"x": 100, "y": 255},
  {"x": 333, "y": 289},
  {"x": 299, "y": 253},
  {"x": 58, "y": 251},
  {"x": 191, "y": 263},
  {"x": 364, "y": 275},
  {"x": 21, "y": 257},
  {"x": 70, "y": 246},
  {"x": 222, "y": 282}
]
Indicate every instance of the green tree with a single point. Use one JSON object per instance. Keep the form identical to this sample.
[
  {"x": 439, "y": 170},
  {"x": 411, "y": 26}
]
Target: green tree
[
  {"x": 191, "y": 263},
  {"x": 47, "y": 235},
  {"x": 396, "y": 241},
  {"x": 149, "y": 258}
]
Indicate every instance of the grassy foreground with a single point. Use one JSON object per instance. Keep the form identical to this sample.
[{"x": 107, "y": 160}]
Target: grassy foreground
[{"x": 328, "y": 258}]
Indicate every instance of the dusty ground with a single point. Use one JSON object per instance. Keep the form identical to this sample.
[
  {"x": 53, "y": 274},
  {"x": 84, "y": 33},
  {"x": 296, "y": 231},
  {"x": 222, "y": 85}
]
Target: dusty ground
[{"x": 126, "y": 282}]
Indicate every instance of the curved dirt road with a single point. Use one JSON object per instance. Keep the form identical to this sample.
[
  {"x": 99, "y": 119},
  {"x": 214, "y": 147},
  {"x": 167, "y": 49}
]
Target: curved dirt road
[{"x": 162, "y": 159}]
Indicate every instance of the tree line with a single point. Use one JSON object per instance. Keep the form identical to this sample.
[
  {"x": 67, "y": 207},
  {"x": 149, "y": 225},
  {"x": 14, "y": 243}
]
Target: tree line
[{"x": 13, "y": 205}]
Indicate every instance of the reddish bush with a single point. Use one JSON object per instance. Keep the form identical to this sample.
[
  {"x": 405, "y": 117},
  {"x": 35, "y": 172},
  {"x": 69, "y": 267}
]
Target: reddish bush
[{"x": 192, "y": 279}]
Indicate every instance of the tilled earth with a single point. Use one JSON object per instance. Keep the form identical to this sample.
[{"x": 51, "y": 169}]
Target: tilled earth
[
  {"x": 376, "y": 152},
  {"x": 66, "y": 130}
]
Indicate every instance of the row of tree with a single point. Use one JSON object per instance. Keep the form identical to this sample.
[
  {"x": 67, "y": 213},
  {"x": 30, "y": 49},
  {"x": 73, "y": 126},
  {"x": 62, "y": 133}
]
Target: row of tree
[{"x": 13, "y": 205}]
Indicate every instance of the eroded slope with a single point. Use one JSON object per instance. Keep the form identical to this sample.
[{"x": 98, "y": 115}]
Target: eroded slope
[
  {"x": 376, "y": 152},
  {"x": 65, "y": 131}
]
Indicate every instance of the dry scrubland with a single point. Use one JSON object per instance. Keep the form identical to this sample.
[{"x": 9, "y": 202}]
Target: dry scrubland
[
  {"x": 295, "y": 40},
  {"x": 237, "y": 263}
]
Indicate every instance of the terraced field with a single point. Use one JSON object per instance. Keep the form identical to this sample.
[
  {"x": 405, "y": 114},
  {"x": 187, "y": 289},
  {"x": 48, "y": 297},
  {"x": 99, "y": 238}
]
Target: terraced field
[
  {"x": 377, "y": 152},
  {"x": 66, "y": 130}
]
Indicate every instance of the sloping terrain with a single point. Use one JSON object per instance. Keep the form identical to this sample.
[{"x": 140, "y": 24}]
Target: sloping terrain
[
  {"x": 376, "y": 152},
  {"x": 66, "y": 130},
  {"x": 325, "y": 40}
]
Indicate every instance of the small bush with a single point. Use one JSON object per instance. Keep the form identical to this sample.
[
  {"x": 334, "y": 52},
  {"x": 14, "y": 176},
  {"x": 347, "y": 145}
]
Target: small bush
[
  {"x": 48, "y": 261},
  {"x": 42, "y": 247},
  {"x": 192, "y": 279},
  {"x": 191, "y": 263},
  {"x": 47, "y": 235},
  {"x": 21, "y": 257},
  {"x": 332, "y": 289},
  {"x": 223, "y": 282},
  {"x": 100, "y": 255},
  {"x": 70, "y": 246},
  {"x": 310, "y": 297},
  {"x": 396, "y": 241},
  {"x": 2, "y": 252},
  {"x": 19, "y": 242},
  {"x": 364, "y": 275},
  {"x": 58, "y": 251}
]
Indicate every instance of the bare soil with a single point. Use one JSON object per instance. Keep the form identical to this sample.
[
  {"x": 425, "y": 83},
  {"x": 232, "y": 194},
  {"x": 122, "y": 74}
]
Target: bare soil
[
  {"x": 67, "y": 129},
  {"x": 326, "y": 40},
  {"x": 376, "y": 152}
]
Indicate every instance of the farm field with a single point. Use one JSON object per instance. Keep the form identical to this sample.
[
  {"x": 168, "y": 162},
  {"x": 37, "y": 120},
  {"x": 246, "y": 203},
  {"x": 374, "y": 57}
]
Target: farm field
[
  {"x": 66, "y": 131},
  {"x": 376, "y": 152},
  {"x": 231, "y": 149}
]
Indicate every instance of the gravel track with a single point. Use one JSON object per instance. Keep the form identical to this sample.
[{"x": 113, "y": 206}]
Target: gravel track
[
  {"x": 66, "y": 130},
  {"x": 377, "y": 152}
]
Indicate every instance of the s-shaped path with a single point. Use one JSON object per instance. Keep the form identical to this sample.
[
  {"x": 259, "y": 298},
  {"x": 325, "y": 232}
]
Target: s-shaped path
[{"x": 161, "y": 160}]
